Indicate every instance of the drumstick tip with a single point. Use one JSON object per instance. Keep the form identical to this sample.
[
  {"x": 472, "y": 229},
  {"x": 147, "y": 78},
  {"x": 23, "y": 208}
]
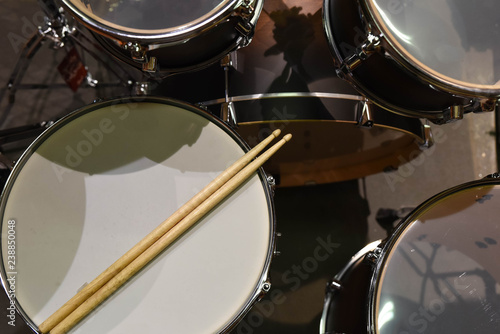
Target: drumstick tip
[
  {"x": 276, "y": 133},
  {"x": 287, "y": 137}
]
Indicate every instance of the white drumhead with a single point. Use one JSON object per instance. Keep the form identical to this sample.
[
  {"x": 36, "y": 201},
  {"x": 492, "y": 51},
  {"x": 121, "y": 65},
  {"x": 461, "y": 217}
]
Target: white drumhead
[
  {"x": 100, "y": 180},
  {"x": 442, "y": 273},
  {"x": 454, "y": 40},
  {"x": 147, "y": 17}
]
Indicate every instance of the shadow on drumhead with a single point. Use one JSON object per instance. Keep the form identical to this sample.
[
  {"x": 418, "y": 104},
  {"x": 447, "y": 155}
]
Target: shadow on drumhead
[{"x": 124, "y": 137}]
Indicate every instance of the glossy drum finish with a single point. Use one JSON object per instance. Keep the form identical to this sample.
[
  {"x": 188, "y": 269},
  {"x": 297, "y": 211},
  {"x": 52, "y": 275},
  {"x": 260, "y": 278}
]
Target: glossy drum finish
[
  {"x": 433, "y": 59},
  {"x": 178, "y": 35},
  {"x": 99, "y": 180},
  {"x": 437, "y": 273}
]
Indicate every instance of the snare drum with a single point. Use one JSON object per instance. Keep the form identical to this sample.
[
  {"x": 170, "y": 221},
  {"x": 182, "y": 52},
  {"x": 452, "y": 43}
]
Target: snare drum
[
  {"x": 164, "y": 37},
  {"x": 439, "y": 272},
  {"x": 432, "y": 58},
  {"x": 284, "y": 79},
  {"x": 98, "y": 181}
]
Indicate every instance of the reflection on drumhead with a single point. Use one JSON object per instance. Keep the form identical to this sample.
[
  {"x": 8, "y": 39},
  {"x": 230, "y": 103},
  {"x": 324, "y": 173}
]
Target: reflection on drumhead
[
  {"x": 454, "y": 38},
  {"x": 146, "y": 16},
  {"x": 442, "y": 273}
]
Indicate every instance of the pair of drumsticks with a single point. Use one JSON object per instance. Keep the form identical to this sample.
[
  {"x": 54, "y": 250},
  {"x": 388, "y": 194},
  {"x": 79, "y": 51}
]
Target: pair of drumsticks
[{"x": 160, "y": 238}]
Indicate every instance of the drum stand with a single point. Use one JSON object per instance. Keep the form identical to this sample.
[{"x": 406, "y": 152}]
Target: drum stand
[{"x": 61, "y": 34}]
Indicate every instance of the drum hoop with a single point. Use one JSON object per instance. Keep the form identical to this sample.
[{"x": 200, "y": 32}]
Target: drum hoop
[
  {"x": 423, "y": 72},
  {"x": 258, "y": 290},
  {"x": 251, "y": 97},
  {"x": 388, "y": 244},
  {"x": 158, "y": 36}
]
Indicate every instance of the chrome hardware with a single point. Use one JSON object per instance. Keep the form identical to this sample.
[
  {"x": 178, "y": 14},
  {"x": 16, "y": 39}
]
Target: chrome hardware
[
  {"x": 56, "y": 30},
  {"x": 141, "y": 88},
  {"x": 138, "y": 54},
  {"x": 245, "y": 27},
  {"x": 247, "y": 7},
  {"x": 428, "y": 139},
  {"x": 228, "y": 114},
  {"x": 456, "y": 112},
  {"x": 374, "y": 255},
  {"x": 334, "y": 285},
  {"x": 364, "y": 114},
  {"x": 151, "y": 65},
  {"x": 367, "y": 48},
  {"x": 271, "y": 180},
  {"x": 265, "y": 287},
  {"x": 91, "y": 81},
  {"x": 230, "y": 61},
  {"x": 451, "y": 114}
]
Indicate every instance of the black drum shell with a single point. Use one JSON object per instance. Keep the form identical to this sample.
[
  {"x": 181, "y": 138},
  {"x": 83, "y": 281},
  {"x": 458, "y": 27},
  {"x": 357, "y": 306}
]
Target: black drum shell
[{"x": 382, "y": 77}]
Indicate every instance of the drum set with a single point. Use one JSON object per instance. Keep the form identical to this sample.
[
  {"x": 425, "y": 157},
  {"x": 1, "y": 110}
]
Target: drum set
[{"x": 355, "y": 82}]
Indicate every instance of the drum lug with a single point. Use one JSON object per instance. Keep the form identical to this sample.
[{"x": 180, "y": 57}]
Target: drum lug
[
  {"x": 271, "y": 180},
  {"x": 373, "y": 256},
  {"x": 151, "y": 65},
  {"x": 264, "y": 288},
  {"x": 367, "y": 48},
  {"x": 364, "y": 114},
  {"x": 244, "y": 27},
  {"x": 451, "y": 114},
  {"x": 138, "y": 54}
]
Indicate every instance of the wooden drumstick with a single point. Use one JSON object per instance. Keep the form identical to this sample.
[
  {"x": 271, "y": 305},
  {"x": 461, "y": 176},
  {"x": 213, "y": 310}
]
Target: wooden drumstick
[
  {"x": 152, "y": 237},
  {"x": 175, "y": 232}
]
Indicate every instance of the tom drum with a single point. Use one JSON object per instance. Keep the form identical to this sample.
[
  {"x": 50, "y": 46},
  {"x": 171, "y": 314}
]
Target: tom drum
[{"x": 437, "y": 273}]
